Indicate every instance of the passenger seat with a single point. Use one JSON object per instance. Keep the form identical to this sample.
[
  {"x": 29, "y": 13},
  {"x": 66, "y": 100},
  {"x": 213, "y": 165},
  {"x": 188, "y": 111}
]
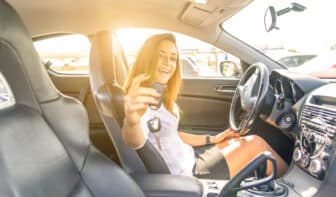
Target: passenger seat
[{"x": 44, "y": 144}]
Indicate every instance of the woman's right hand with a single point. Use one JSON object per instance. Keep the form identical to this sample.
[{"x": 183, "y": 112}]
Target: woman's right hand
[
  {"x": 138, "y": 99},
  {"x": 225, "y": 135}
]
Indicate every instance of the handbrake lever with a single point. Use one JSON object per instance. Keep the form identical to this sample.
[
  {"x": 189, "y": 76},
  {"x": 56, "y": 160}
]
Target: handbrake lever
[{"x": 235, "y": 184}]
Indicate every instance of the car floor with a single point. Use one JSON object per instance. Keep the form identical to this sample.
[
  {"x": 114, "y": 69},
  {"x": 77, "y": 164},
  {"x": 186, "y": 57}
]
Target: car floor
[{"x": 281, "y": 143}]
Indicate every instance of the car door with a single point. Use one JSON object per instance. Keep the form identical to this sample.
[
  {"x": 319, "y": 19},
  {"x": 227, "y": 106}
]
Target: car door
[
  {"x": 205, "y": 104},
  {"x": 205, "y": 97}
]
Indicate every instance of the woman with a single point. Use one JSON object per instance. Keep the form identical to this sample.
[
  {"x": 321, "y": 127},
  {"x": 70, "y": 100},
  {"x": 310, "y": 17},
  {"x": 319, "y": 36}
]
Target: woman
[{"x": 158, "y": 61}]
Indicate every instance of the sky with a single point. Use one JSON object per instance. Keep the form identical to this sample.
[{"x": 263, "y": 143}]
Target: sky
[{"x": 309, "y": 31}]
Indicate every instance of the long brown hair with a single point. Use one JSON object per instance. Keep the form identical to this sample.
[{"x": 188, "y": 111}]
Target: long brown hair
[{"x": 146, "y": 62}]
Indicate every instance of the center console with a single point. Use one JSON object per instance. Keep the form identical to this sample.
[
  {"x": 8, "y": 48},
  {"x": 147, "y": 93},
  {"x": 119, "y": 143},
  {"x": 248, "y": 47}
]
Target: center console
[
  {"x": 316, "y": 142},
  {"x": 312, "y": 169}
]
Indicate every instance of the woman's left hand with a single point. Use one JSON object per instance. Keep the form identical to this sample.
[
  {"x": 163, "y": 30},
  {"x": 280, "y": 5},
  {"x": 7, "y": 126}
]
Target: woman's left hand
[{"x": 225, "y": 135}]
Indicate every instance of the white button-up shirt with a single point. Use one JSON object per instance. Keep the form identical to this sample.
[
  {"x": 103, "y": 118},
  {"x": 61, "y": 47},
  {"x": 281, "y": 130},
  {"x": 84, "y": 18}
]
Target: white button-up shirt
[{"x": 178, "y": 156}]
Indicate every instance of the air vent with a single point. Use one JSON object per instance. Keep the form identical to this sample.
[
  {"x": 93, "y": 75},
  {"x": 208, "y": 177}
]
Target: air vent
[{"x": 311, "y": 112}]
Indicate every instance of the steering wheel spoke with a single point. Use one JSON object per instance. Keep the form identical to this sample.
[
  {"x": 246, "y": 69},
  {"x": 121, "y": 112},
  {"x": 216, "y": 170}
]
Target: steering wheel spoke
[{"x": 250, "y": 92}]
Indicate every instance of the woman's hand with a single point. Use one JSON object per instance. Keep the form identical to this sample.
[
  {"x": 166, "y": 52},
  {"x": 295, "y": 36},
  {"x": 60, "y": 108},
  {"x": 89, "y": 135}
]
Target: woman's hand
[
  {"x": 225, "y": 135},
  {"x": 138, "y": 99}
]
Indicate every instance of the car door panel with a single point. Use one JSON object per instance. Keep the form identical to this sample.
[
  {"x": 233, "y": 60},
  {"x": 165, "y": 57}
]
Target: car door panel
[{"x": 205, "y": 103}]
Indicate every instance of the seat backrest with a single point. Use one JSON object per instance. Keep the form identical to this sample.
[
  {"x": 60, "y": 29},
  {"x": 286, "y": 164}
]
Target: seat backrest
[
  {"x": 107, "y": 62},
  {"x": 45, "y": 148}
]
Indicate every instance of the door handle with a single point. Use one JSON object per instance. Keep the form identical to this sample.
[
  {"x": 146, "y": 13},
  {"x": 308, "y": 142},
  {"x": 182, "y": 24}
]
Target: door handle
[{"x": 221, "y": 89}]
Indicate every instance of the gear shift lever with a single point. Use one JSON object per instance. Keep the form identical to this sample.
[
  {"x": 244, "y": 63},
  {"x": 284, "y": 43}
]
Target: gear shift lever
[
  {"x": 235, "y": 184},
  {"x": 261, "y": 173}
]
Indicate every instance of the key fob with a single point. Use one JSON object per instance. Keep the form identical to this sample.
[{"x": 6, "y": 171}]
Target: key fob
[
  {"x": 154, "y": 124},
  {"x": 161, "y": 88}
]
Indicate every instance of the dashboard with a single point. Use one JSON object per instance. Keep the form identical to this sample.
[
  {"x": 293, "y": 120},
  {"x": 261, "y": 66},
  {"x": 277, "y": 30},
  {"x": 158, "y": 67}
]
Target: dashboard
[
  {"x": 286, "y": 95},
  {"x": 304, "y": 108}
]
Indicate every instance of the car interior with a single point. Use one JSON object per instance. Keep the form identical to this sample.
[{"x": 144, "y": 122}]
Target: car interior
[{"x": 61, "y": 134}]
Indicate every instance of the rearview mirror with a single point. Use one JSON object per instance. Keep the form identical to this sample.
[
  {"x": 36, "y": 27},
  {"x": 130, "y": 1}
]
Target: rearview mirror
[
  {"x": 230, "y": 69},
  {"x": 270, "y": 17}
]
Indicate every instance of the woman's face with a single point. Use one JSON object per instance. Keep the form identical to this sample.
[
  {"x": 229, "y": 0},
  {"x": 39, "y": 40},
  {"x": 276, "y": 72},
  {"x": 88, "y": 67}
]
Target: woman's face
[{"x": 167, "y": 61}]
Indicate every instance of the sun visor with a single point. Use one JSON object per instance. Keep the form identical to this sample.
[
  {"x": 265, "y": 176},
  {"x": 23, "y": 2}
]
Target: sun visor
[
  {"x": 6, "y": 95},
  {"x": 213, "y": 12}
]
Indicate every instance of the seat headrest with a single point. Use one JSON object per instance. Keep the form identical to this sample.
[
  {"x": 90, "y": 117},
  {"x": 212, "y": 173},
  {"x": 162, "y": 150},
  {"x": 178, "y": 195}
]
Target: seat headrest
[
  {"x": 20, "y": 63},
  {"x": 6, "y": 96}
]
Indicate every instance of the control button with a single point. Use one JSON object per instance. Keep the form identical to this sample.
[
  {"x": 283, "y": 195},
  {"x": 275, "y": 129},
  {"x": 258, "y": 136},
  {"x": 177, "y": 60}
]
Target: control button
[
  {"x": 289, "y": 118},
  {"x": 315, "y": 166},
  {"x": 305, "y": 142},
  {"x": 325, "y": 156},
  {"x": 297, "y": 155},
  {"x": 305, "y": 161}
]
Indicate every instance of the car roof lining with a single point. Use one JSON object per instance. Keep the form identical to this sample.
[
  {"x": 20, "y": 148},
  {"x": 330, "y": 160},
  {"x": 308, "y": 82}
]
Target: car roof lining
[{"x": 88, "y": 17}]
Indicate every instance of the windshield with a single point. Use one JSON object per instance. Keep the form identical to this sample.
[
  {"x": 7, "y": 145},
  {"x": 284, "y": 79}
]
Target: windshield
[{"x": 302, "y": 39}]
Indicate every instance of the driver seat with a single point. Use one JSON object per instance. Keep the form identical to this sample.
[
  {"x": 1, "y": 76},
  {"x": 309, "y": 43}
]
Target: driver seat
[
  {"x": 45, "y": 148},
  {"x": 108, "y": 71}
]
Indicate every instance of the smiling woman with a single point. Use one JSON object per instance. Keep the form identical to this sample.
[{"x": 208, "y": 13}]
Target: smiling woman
[{"x": 158, "y": 62}]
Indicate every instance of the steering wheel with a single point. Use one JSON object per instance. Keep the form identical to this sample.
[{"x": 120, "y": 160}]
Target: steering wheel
[{"x": 248, "y": 97}]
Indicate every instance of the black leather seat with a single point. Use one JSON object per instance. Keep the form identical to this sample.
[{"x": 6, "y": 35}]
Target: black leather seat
[
  {"x": 44, "y": 145},
  {"x": 108, "y": 71}
]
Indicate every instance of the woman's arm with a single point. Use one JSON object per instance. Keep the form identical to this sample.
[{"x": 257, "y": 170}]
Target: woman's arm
[
  {"x": 193, "y": 140},
  {"x": 133, "y": 135},
  {"x": 136, "y": 103},
  {"x": 200, "y": 140}
]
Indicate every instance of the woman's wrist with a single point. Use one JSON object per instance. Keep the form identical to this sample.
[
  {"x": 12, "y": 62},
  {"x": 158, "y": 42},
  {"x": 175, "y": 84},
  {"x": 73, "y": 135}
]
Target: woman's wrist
[
  {"x": 213, "y": 139},
  {"x": 210, "y": 139},
  {"x": 207, "y": 139}
]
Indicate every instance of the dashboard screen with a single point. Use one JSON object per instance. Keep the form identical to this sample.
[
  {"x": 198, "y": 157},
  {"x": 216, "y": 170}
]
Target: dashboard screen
[{"x": 324, "y": 101}]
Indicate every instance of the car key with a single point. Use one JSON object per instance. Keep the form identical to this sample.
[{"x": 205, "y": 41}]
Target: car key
[{"x": 161, "y": 89}]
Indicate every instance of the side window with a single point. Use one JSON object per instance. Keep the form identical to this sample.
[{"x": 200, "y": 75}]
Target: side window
[
  {"x": 67, "y": 54},
  {"x": 198, "y": 59}
]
